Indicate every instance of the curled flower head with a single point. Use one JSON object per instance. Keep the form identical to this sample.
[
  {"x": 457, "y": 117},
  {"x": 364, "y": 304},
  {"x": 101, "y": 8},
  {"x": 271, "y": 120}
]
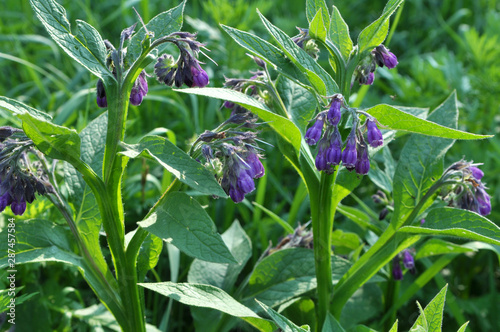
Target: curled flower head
[{"x": 20, "y": 179}]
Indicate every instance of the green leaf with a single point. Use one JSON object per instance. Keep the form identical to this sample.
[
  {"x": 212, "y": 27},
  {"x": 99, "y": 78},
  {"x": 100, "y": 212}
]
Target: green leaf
[
  {"x": 86, "y": 214},
  {"x": 284, "y": 323},
  {"x": 317, "y": 27},
  {"x": 338, "y": 34},
  {"x": 435, "y": 247},
  {"x": 87, "y": 47},
  {"x": 161, "y": 25},
  {"x": 345, "y": 183},
  {"x": 396, "y": 119},
  {"x": 319, "y": 78},
  {"x": 394, "y": 327},
  {"x": 313, "y": 7},
  {"x": 207, "y": 296},
  {"x": 421, "y": 163},
  {"x": 269, "y": 53},
  {"x": 332, "y": 325},
  {"x": 54, "y": 141},
  {"x": 16, "y": 107},
  {"x": 457, "y": 223},
  {"x": 177, "y": 162},
  {"x": 432, "y": 317},
  {"x": 283, "y": 126},
  {"x": 182, "y": 221},
  {"x": 286, "y": 274},
  {"x": 462, "y": 328},
  {"x": 289, "y": 229},
  {"x": 299, "y": 102},
  {"x": 374, "y": 34},
  {"x": 224, "y": 275},
  {"x": 148, "y": 254}
]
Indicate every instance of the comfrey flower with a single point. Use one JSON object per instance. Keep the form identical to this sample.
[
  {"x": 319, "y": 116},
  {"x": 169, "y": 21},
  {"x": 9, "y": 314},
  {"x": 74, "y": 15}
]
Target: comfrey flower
[
  {"x": 468, "y": 192},
  {"x": 373, "y": 134},
  {"x": 139, "y": 89},
  {"x": 20, "y": 180},
  {"x": 186, "y": 69},
  {"x": 304, "y": 41},
  {"x": 380, "y": 56},
  {"x": 406, "y": 257},
  {"x": 101, "y": 94}
]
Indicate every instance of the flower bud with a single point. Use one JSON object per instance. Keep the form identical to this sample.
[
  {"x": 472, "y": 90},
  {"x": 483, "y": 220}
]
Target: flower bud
[
  {"x": 313, "y": 134},
  {"x": 397, "y": 272},
  {"x": 362, "y": 162},
  {"x": 408, "y": 261},
  {"x": 101, "y": 94},
  {"x": 383, "y": 57},
  {"x": 349, "y": 155},
  {"x": 334, "y": 151},
  {"x": 334, "y": 113},
  {"x": 200, "y": 77}
]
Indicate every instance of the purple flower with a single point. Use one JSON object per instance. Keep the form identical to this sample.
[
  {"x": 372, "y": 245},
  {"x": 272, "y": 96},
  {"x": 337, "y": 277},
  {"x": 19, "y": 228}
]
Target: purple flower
[
  {"x": 200, "y": 77},
  {"x": 397, "y": 272},
  {"x": 228, "y": 104},
  {"x": 483, "y": 201},
  {"x": 408, "y": 260},
  {"x": 349, "y": 155},
  {"x": 313, "y": 134},
  {"x": 256, "y": 168},
  {"x": 374, "y": 135},
  {"x": 245, "y": 182},
  {"x": 384, "y": 57},
  {"x": 334, "y": 114},
  {"x": 236, "y": 194},
  {"x": 18, "y": 208},
  {"x": 422, "y": 222},
  {"x": 321, "y": 163},
  {"x": 476, "y": 172},
  {"x": 101, "y": 94},
  {"x": 362, "y": 162},
  {"x": 139, "y": 90},
  {"x": 334, "y": 151},
  {"x": 368, "y": 79},
  {"x": 5, "y": 200}
]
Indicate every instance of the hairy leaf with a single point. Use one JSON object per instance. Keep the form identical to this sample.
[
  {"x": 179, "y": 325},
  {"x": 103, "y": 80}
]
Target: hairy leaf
[{"x": 16, "y": 107}]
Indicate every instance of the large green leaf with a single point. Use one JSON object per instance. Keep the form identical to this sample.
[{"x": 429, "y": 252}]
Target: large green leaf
[
  {"x": 374, "y": 34},
  {"x": 182, "y": 221},
  {"x": 457, "y": 223},
  {"x": 396, "y": 119},
  {"x": 421, "y": 163},
  {"x": 299, "y": 102},
  {"x": 318, "y": 77},
  {"x": 149, "y": 253},
  {"x": 54, "y": 141},
  {"x": 432, "y": 317},
  {"x": 207, "y": 296},
  {"x": 161, "y": 25},
  {"x": 338, "y": 34},
  {"x": 87, "y": 47},
  {"x": 284, "y": 323},
  {"x": 224, "y": 275},
  {"x": 283, "y": 126},
  {"x": 269, "y": 53},
  {"x": 435, "y": 247},
  {"x": 318, "y": 27},
  {"x": 16, "y": 107},
  {"x": 286, "y": 274},
  {"x": 177, "y": 162},
  {"x": 313, "y": 7}
]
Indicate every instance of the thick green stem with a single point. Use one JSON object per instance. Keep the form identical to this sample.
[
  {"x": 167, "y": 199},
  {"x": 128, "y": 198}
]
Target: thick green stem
[{"x": 322, "y": 221}]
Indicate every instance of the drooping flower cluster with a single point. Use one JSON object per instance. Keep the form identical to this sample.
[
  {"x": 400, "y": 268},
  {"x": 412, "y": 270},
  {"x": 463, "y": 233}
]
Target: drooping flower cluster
[
  {"x": 20, "y": 179},
  {"x": 233, "y": 155},
  {"x": 468, "y": 192},
  {"x": 304, "y": 41},
  {"x": 186, "y": 69},
  {"x": 354, "y": 156},
  {"x": 380, "y": 56},
  {"x": 406, "y": 256}
]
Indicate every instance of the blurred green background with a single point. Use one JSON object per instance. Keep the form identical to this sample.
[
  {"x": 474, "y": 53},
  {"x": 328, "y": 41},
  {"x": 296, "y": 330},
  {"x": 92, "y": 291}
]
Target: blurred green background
[{"x": 442, "y": 45}]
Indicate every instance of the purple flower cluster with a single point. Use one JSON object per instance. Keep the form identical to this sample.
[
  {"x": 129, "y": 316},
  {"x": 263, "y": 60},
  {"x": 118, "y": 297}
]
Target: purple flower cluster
[
  {"x": 233, "y": 154},
  {"x": 186, "y": 69},
  {"x": 354, "y": 156},
  {"x": 406, "y": 256},
  {"x": 137, "y": 94},
  {"x": 470, "y": 194},
  {"x": 304, "y": 41},
  {"x": 380, "y": 56},
  {"x": 18, "y": 183}
]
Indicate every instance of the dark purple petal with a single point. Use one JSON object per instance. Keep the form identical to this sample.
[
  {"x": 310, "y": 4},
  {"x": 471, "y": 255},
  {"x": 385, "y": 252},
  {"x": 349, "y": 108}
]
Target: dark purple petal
[
  {"x": 476, "y": 172},
  {"x": 200, "y": 77},
  {"x": 390, "y": 60},
  {"x": 321, "y": 163},
  {"x": 408, "y": 261},
  {"x": 368, "y": 79},
  {"x": 236, "y": 194},
  {"x": 349, "y": 155},
  {"x": 397, "y": 272},
  {"x": 5, "y": 200},
  {"x": 334, "y": 151},
  {"x": 245, "y": 182},
  {"x": 362, "y": 162},
  {"x": 18, "y": 208},
  {"x": 483, "y": 201},
  {"x": 136, "y": 96},
  {"x": 334, "y": 113},
  {"x": 313, "y": 134}
]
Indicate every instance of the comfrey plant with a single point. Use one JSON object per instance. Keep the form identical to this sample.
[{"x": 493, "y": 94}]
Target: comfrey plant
[
  {"x": 308, "y": 105},
  {"x": 290, "y": 90}
]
